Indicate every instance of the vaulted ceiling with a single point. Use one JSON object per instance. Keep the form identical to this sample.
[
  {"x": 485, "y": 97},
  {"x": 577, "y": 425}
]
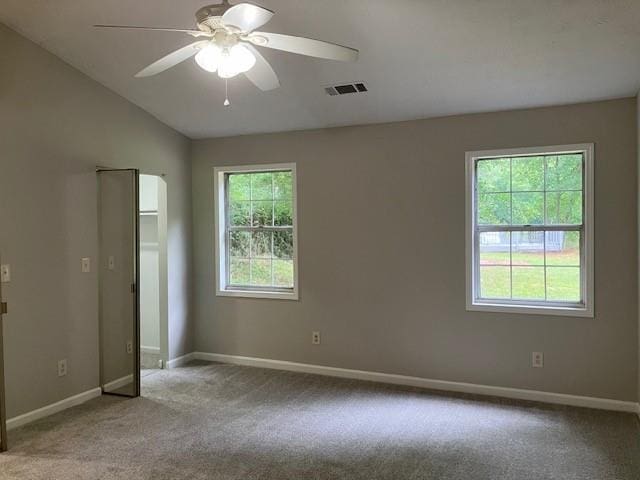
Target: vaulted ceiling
[{"x": 419, "y": 58}]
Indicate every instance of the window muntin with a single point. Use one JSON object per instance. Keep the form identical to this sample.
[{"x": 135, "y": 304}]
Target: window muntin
[
  {"x": 256, "y": 230},
  {"x": 529, "y": 229}
]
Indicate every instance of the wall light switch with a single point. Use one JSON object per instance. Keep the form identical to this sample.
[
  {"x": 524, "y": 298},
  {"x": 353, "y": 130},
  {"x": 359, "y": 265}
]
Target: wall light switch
[
  {"x": 86, "y": 265},
  {"x": 5, "y": 273}
]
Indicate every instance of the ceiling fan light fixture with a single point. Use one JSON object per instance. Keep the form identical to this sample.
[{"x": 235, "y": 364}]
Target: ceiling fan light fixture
[
  {"x": 209, "y": 57},
  {"x": 238, "y": 59},
  {"x": 226, "y": 35}
]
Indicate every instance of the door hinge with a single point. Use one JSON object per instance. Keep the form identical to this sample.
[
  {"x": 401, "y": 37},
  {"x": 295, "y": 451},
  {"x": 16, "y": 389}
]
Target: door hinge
[
  {"x": 4, "y": 309},
  {"x": 133, "y": 288}
]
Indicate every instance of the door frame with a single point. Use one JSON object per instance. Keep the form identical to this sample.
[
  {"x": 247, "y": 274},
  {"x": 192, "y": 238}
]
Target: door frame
[
  {"x": 4, "y": 444},
  {"x": 135, "y": 290}
]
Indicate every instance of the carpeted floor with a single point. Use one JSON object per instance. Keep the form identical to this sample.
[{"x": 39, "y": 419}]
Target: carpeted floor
[{"x": 218, "y": 421}]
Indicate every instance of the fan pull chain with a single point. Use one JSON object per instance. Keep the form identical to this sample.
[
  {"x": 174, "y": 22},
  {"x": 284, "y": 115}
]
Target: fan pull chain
[{"x": 226, "y": 93}]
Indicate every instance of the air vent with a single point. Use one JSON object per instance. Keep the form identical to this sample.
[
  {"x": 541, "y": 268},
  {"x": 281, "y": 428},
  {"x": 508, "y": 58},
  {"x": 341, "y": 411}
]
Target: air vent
[{"x": 346, "y": 88}]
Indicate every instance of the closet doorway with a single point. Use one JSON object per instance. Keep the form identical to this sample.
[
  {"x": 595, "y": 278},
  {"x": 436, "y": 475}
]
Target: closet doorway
[{"x": 154, "y": 340}]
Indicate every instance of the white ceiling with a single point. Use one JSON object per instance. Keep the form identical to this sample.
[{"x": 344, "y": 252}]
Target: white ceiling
[{"x": 419, "y": 58}]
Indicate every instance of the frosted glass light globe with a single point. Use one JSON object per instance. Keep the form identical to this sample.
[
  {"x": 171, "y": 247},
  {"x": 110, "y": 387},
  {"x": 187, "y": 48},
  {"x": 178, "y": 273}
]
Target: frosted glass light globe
[
  {"x": 238, "y": 59},
  {"x": 209, "y": 57}
]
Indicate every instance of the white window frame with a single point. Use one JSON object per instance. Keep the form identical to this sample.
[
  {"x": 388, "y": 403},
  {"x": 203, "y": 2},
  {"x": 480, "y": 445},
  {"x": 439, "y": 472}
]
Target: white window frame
[
  {"x": 222, "y": 289},
  {"x": 474, "y": 303}
]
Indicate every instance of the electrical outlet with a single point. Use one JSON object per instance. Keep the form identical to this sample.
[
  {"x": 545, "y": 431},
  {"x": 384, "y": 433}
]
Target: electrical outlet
[
  {"x": 537, "y": 360},
  {"x": 315, "y": 338},
  {"x": 62, "y": 367},
  {"x": 5, "y": 273},
  {"x": 111, "y": 262},
  {"x": 129, "y": 346},
  {"x": 86, "y": 265}
]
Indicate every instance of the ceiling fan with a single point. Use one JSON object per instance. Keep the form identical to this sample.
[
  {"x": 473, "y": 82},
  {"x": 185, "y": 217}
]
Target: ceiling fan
[{"x": 226, "y": 44}]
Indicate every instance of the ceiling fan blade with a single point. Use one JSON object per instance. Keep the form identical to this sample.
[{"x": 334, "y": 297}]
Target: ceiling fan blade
[
  {"x": 246, "y": 16},
  {"x": 262, "y": 75},
  {"x": 171, "y": 60},
  {"x": 195, "y": 33},
  {"x": 305, "y": 46}
]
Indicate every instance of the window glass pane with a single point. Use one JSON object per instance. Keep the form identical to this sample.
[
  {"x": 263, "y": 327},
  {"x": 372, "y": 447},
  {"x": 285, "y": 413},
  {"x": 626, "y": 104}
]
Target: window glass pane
[
  {"x": 261, "y": 186},
  {"x": 239, "y": 244},
  {"x": 495, "y": 282},
  {"x": 563, "y": 284},
  {"x": 283, "y": 214},
  {"x": 564, "y": 172},
  {"x": 563, "y": 248},
  {"x": 257, "y": 253},
  {"x": 528, "y": 283},
  {"x": 494, "y": 208},
  {"x": 527, "y": 174},
  {"x": 527, "y": 249},
  {"x": 528, "y": 208},
  {"x": 239, "y": 271},
  {"x": 239, "y": 187},
  {"x": 564, "y": 208},
  {"x": 261, "y": 244},
  {"x": 534, "y": 190},
  {"x": 283, "y": 273},
  {"x": 261, "y": 272},
  {"x": 283, "y": 244},
  {"x": 494, "y": 248},
  {"x": 282, "y": 185},
  {"x": 239, "y": 214},
  {"x": 262, "y": 213},
  {"x": 493, "y": 175}
]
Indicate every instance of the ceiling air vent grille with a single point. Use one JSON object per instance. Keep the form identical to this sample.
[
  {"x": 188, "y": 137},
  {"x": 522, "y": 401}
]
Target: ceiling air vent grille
[{"x": 346, "y": 88}]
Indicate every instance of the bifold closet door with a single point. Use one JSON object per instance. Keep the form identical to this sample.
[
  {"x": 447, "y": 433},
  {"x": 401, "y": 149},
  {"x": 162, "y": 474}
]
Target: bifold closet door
[
  {"x": 3, "y": 411},
  {"x": 119, "y": 279}
]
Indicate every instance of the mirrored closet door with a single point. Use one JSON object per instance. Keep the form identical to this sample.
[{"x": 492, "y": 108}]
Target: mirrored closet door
[{"x": 119, "y": 279}]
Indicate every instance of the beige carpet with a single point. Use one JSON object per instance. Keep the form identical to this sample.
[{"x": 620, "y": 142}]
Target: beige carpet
[{"x": 214, "y": 421}]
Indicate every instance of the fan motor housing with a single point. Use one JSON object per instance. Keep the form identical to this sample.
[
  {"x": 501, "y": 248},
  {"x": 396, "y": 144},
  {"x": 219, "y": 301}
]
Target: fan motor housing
[{"x": 208, "y": 17}]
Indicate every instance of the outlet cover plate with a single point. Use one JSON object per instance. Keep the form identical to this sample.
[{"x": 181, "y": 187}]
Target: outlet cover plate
[
  {"x": 537, "y": 359},
  {"x": 62, "y": 367}
]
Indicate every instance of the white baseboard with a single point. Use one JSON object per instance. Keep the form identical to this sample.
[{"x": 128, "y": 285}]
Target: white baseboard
[
  {"x": 505, "y": 392},
  {"x": 147, "y": 349},
  {"x": 28, "y": 417},
  {"x": 180, "y": 361},
  {"x": 117, "y": 383}
]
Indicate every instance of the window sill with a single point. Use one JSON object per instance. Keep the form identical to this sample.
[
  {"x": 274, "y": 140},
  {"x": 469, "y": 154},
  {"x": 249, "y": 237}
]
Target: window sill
[
  {"x": 531, "y": 309},
  {"x": 258, "y": 294}
]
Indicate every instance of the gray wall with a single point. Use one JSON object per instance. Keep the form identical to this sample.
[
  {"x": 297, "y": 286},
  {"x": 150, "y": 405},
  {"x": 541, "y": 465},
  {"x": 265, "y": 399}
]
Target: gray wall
[
  {"x": 382, "y": 272},
  {"x": 56, "y": 125}
]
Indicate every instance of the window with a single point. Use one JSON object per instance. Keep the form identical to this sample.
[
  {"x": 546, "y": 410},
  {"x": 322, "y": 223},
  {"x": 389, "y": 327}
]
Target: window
[
  {"x": 256, "y": 248},
  {"x": 530, "y": 230}
]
